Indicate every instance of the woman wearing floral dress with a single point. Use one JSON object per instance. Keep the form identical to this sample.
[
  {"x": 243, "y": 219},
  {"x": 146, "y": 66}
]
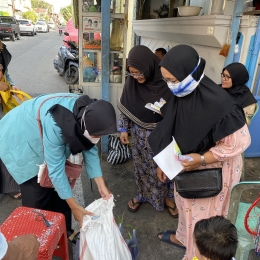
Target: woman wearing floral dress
[
  {"x": 144, "y": 85},
  {"x": 209, "y": 127}
]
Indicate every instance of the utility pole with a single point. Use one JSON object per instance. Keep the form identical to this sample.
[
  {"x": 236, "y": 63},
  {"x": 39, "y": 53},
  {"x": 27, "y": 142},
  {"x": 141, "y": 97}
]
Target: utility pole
[{"x": 13, "y": 7}]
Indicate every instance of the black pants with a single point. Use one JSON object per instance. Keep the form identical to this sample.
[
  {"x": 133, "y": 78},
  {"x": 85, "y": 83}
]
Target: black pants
[
  {"x": 7, "y": 182},
  {"x": 35, "y": 196}
]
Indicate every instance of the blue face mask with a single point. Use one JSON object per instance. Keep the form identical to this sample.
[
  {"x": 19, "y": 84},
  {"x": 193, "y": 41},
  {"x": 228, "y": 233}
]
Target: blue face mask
[{"x": 186, "y": 86}]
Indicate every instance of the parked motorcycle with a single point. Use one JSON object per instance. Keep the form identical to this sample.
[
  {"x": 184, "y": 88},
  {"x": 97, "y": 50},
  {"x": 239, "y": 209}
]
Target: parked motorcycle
[{"x": 67, "y": 62}]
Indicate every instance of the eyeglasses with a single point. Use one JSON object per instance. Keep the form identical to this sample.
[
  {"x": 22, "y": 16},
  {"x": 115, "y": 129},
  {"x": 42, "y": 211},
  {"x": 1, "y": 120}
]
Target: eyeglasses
[
  {"x": 225, "y": 77},
  {"x": 41, "y": 217},
  {"x": 169, "y": 81},
  {"x": 135, "y": 75}
]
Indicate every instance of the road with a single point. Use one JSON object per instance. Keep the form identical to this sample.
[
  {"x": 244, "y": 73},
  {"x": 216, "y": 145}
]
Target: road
[{"x": 31, "y": 67}]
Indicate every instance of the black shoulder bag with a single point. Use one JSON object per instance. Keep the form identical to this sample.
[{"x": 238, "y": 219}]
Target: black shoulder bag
[{"x": 199, "y": 183}]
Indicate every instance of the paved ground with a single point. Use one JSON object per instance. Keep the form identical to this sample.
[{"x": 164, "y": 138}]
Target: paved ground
[{"x": 148, "y": 222}]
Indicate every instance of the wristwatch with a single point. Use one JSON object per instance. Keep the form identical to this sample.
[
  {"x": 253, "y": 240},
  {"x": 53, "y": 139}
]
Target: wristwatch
[{"x": 203, "y": 160}]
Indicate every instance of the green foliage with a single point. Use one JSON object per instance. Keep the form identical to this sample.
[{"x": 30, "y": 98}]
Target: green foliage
[
  {"x": 40, "y": 4},
  {"x": 66, "y": 12},
  {"x": 2, "y": 13},
  {"x": 131, "y": 227},
  {"x": 120, "y": 219},
  {"x": 46, "y": 17},
  {"x": 30, "y": 15}
]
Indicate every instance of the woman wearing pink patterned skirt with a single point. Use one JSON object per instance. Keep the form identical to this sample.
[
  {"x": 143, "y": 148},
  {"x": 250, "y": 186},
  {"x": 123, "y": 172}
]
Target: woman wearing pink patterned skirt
[{"x": 209, "y": 126}]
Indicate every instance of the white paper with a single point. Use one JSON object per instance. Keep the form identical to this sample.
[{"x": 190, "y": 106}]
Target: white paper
[
  {"x": 168, "y": 160},
  {"x": 153, "y": 108}
]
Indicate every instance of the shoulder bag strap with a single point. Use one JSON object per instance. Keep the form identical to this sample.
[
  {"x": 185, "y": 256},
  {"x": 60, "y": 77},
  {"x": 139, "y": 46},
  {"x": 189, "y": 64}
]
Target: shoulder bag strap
[{"x": 39, "y": 112}]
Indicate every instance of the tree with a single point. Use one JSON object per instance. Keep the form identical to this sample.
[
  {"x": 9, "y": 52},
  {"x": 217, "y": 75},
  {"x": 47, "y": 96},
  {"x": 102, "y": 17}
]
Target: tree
[
  {"x": 30, "y": 15},
  {"x": 2, "y": 13},
  {"x": 66, "y": 12},
  {"x": 40, "y": 4},
  {"x": 45, "y": 17}
]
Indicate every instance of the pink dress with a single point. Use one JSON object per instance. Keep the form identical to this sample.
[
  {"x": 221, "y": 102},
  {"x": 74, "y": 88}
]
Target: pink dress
[{"x": 228, "y": 153}]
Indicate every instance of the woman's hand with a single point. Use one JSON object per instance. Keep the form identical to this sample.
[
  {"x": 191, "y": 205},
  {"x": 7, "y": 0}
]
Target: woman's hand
[
  {"x": 160, "y": 174},
  {"x": 192, "y": 165},
  {"x": 102, "y": 188},
  {"x": 78, "y": 211},
  {"x": 3, "y": 86},
  {"x": 124, "y": 138}
]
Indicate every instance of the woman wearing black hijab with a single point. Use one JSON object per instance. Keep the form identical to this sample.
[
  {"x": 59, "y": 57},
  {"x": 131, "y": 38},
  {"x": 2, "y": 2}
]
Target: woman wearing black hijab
[
  {"x": 209, "y": 126},
  {"x": 234, "y": 77},
  {"x": 71, "y": 124},
  {"x": 144, "y": 85}
]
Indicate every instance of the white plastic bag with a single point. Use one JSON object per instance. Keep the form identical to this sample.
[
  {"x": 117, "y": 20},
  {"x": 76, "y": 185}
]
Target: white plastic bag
[{"x": 100, "y": 238}]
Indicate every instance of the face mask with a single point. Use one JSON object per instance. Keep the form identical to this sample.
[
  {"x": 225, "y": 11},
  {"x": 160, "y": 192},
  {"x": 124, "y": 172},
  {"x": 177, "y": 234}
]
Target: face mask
[
  {"x": 186, "y": 86},
  {"x": 93, "y": 140}
]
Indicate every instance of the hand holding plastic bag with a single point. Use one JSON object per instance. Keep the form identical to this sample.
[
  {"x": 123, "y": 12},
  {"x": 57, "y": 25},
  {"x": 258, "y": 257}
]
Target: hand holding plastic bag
[{"x": 100, "y": 238}]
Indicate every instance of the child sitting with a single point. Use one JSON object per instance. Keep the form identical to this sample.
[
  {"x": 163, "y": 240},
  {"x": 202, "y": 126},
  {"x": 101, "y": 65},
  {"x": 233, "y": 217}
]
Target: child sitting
[{"x": 215, "y": 238}]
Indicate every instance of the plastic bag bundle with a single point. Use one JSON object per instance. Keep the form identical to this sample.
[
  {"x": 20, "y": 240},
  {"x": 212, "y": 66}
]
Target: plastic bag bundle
[{"x": 100, "y": 238}]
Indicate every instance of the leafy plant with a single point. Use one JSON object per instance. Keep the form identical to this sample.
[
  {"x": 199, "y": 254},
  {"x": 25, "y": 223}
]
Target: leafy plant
[
  {"x": 66, "y": 12},
  {"x": 30, "y": 15},
  {"x": 120, "y": 219}
]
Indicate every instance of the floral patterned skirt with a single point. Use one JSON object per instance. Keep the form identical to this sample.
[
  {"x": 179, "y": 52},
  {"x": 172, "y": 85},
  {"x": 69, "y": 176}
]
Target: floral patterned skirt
[{"x": 149, "y": 187}]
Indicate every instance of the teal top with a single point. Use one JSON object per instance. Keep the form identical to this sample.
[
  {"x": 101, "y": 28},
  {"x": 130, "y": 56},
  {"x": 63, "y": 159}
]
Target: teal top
[{"x": 21, "y": 147}]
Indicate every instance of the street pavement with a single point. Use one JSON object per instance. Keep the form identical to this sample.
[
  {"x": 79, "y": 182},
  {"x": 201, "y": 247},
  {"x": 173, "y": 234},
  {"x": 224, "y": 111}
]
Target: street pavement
[
  {"x": 32, "y": 70},
  {"x": 31, "y": 67}
]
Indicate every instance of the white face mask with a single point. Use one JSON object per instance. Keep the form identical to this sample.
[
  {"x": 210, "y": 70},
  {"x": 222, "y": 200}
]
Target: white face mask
[
  {"x": 186, "y": 86},
  {"x": 93, "y": 140}
]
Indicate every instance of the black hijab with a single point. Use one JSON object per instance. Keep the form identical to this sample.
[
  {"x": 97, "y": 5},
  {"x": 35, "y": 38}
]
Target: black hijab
[
  {"x": 136, "y": 95},
  {"x": 198, "y": 120},
  {"x": 5, "y": 56},
  {"x": 100, "y": 119},
  {"x": 239, "y": 91}
]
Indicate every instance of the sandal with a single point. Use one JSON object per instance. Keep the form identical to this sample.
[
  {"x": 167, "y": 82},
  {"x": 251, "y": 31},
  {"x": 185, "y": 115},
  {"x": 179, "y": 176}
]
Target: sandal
[
  {"x": 169, "y": 208},
  {"x": 73, "y": 236},
  {"x": 134, "y": 203},
  {"x": 166, "y": 238},
  {"x": 170, "y": 213},
  {"x": 17, "y": 195}
]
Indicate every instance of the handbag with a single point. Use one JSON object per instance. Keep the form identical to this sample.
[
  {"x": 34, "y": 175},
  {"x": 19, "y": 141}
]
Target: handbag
[
  {"x": 72, "y": 170},
  {"x": 199, "y": 183},
  {"x": 117, "y": 152}
]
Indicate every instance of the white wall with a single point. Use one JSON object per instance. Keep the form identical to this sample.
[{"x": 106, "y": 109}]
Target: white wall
[{"x": 214, "y": 62}]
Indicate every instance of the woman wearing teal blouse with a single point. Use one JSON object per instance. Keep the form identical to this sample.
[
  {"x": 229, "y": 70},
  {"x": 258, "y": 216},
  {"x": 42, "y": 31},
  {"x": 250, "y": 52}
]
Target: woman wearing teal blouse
[{"x": 71, "y": 124}]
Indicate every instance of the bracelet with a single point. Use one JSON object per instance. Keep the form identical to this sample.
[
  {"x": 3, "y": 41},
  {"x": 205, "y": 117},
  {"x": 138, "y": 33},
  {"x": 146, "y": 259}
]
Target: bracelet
[{"x": 203, "y": 160}]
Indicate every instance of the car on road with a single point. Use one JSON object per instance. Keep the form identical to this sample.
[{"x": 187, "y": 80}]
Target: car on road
[
  {"x": 51, "y": 25},
  {"x": 42, "y": 26},
  {"x": 9, "y": 27},
  {"x": 27, "y": 27}
]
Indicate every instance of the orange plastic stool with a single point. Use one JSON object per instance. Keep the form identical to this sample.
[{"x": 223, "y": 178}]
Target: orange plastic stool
[{"x": 53, "y": 239}]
